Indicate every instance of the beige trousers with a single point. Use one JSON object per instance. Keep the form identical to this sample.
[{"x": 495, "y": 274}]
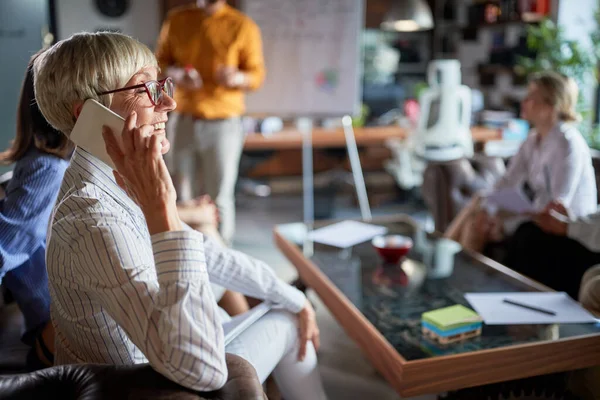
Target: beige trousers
[{"x": 204, "y": 159}]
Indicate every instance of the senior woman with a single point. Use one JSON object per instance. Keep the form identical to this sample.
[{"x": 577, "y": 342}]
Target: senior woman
[{"x": 128, "y": 283}]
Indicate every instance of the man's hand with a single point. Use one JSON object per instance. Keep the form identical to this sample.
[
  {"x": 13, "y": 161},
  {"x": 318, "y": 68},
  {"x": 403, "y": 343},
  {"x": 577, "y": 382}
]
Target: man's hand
[
  {"x": 558, "y": 207},
  {"x": 186, "y": 78},
  {"x": 554, "y": 219},
  {"x": 307, "y": 324},
  {"x": 231, "y": 77}
]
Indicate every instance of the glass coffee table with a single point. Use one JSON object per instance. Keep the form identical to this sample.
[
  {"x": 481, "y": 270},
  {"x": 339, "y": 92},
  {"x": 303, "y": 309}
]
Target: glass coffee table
[{"x": 380, "y": 308}]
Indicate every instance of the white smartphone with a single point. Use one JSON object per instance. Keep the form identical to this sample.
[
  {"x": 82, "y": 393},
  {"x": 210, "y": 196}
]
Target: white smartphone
[{"x": 87, "y": 132}]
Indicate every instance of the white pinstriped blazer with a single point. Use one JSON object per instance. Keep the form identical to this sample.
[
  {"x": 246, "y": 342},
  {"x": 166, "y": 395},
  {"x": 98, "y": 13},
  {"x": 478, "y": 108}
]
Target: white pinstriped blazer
[{"x": 121, "y": 296}]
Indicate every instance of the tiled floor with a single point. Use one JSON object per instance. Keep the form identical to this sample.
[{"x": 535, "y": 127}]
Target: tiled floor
[{"x": 346, "y": 373}]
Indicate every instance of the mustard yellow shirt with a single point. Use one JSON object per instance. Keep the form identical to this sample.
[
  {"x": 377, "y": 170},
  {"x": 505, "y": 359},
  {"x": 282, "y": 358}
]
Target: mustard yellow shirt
[{"x": 189, "y": 36}]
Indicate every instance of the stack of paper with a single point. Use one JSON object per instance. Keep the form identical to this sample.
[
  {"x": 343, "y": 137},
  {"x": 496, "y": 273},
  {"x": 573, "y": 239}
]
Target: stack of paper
[
  {"x": 511, "y": 200},
  {"x": 496, "y": 311},
  {"x": 346, "y": 234}
]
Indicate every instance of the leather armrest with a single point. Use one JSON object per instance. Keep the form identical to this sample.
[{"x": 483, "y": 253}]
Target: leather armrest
[{"x": 96, "y": 381}]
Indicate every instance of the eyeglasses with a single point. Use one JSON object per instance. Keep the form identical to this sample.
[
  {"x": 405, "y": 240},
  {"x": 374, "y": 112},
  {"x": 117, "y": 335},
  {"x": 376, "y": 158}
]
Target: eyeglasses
[{"x": 154, "y": 90}]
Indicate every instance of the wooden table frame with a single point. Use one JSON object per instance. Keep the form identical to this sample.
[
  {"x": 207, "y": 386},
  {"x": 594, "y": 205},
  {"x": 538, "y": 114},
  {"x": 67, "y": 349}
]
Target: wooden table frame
[
  {"x": 334, "y": 138},
  {"x": 444, "y": 373}
]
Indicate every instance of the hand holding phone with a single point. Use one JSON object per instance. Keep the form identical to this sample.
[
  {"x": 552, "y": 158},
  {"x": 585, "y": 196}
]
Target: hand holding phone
[
  {"x": 135, "y": 156},
  {"x": 142, "y": 173}
]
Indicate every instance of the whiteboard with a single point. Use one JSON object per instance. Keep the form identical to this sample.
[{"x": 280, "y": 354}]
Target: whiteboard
[{"x": 312, "y": 57}]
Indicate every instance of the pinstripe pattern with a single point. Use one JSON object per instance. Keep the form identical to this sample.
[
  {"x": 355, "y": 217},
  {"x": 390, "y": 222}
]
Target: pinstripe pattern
[
  {"x": 121, "y": 296},
  {"x": 24, "y": 214}
]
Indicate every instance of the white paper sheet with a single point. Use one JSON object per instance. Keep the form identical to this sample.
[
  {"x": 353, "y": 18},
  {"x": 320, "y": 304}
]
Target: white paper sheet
[
  {"x": 240, "y": 323},
  {"x": 346, "y": 233},
  {"x": 511, "y": 200},
  {"x": 493, "y": 310}
]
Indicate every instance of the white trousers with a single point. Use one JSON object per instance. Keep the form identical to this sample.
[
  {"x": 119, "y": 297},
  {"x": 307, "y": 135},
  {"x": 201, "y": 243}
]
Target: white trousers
[
  {"x": 271, "y": 346},
  {"x": 208, "y": 151}
]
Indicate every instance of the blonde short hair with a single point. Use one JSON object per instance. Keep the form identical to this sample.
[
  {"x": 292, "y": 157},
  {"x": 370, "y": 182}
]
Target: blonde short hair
[
  {"x": 559, "y": 91},
  {"x": 78, "y": 68}
]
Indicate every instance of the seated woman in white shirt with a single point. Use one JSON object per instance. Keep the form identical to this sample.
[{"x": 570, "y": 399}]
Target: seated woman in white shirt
[
  {"x": 129, "y": 284},
  {"x": 554, "y": 162}
]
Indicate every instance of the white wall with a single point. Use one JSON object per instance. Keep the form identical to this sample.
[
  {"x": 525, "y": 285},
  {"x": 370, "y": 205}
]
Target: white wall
[
  {"x": 142, "y": 20},
  {"x": 577, "y": 23}
]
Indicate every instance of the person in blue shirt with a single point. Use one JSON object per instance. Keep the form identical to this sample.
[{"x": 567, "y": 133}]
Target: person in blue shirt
[{"x": 41, "y": 155}]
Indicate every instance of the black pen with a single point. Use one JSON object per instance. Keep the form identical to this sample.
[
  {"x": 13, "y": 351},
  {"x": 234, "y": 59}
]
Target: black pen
[{"x": 541, "y": 310}]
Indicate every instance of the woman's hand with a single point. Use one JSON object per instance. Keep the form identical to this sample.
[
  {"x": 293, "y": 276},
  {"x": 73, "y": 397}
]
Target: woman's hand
[
  {"x": 142, "y": 173},
  {"x": 554, "y": 219},
  {"x": 309, "y": 331}
]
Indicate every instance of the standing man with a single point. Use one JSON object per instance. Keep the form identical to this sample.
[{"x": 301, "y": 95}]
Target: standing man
[{"x": 214, "y": 54}]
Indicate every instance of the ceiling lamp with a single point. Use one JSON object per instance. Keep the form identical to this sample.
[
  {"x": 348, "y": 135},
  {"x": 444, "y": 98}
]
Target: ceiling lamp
[{"x": 408, "y": 16}]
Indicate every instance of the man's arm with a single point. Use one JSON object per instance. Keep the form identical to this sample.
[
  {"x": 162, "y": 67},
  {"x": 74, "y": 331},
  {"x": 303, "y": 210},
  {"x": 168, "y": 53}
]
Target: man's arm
[
  {"x": 241, "y": 273},
  {"x": 555, "y": 220},
  {"x": 159, "y": 295},
  {"x": 165, "y": 55},
  {"x": 164, "y": 51},
  {"x": 252, "y": 62},
  {"x": 586, "y": 230}
]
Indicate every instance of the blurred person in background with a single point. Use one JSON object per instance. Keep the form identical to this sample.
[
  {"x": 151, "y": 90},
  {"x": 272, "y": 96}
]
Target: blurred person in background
[
  {"x": 554, "y": 163},
  {"x": 214, "y": 55},
  {"x": 41, "y": 155}
]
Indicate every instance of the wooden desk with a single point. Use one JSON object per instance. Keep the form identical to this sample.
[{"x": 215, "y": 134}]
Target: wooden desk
[
  {"x": 334, "y": 138},
  {"x": 382, "y": 314}
]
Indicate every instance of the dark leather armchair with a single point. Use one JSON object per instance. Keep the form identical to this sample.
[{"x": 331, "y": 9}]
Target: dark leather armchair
[
  {"x": 90, "y": 382},
  {"x": 449, "y": 186}
]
